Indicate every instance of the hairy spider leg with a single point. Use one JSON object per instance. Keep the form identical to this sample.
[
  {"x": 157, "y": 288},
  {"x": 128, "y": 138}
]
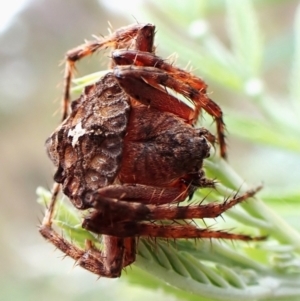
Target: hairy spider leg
[
  {"x": 153, "y": 230},
  {"x": 166, "y": 75},
  {"x": 127, "y": 224},
  {"x": 136, "y": 36},
  {"x": 152, "y": 195},
  {"x": 146, "y": 211}
]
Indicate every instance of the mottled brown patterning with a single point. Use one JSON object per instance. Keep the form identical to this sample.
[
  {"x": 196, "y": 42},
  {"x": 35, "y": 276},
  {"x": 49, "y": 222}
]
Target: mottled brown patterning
[{"x": 87, "y": 147}]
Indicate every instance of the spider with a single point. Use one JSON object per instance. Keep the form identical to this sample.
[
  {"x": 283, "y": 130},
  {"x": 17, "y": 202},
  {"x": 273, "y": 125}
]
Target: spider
[{"x": 128, "y": 149}]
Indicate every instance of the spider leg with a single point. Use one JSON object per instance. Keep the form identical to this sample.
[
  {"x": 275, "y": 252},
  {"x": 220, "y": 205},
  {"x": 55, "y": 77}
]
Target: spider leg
[
  {"x": 146, "y": 194},
  {"x": 116, "y": 254},
  {"x": 135, "y": 219},
  {"x": 138, "y": 58},
  {"x": 136, "y": 36},
  {"x": 131, "y": 228},
  {"x": 143, "y": 194},
  {"x": 115, "y": 210},
  {"x": 158, "y": 74},
  {"x": 106, "y": 263},
  {"x": 211, "y": 210},
  {"x": 130, "y": 251}
]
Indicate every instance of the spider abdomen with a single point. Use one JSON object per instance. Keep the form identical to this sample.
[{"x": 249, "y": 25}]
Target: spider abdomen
[{"x": 87, "y": 148}]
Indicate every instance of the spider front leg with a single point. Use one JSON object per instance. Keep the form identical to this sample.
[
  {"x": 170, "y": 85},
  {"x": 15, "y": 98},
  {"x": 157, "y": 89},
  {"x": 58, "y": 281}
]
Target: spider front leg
[
  {"x": 136, "y": 36},
  {"x": 148, "y": 75}
]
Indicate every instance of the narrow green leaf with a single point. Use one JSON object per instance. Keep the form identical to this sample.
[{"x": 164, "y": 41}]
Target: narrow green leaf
[
  {"x": 232, "y": 277},
  {"x": 81, "y": 82},
  {"x": 283, "y": 196},
  {"x": 75, "y": 233},
  {"x": 245, "y": 36},
  {"x": 208, "y": 56},
  {"x": 63, "y": 211},
  {"x": 260, "y": 132}
]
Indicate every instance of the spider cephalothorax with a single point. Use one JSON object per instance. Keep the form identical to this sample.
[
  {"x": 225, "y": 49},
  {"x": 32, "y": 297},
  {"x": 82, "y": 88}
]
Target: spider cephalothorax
[{"x": 128, "y": 149}]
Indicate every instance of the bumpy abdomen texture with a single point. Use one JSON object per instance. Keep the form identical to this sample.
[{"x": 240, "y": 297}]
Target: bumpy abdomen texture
[{"x": 87, "y": 148}]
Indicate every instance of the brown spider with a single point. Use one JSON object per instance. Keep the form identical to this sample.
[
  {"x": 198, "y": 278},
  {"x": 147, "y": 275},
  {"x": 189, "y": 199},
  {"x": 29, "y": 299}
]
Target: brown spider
[{"x": 129, "y": 148}]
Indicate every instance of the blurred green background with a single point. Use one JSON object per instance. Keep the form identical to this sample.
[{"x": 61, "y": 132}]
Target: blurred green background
[{"x": 32, "y": 44}]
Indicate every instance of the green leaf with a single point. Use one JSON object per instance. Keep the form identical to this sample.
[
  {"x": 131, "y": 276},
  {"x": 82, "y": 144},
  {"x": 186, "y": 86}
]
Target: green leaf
[
  {"x": 260, "y": 132},
  {"x": 81, "y": 82},
  {"x": 245, "y": 36}
]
